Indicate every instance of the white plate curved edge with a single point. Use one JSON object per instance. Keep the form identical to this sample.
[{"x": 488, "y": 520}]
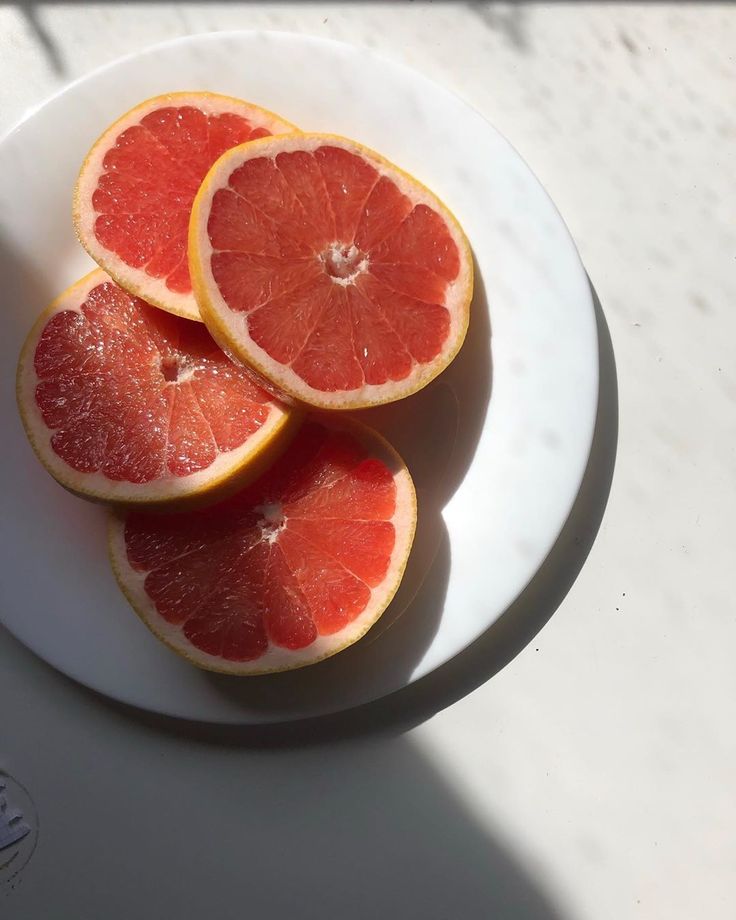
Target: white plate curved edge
[{"x": 57, "y": 595}]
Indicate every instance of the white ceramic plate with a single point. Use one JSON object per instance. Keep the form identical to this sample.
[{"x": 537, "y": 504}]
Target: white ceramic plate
[{"x": 497, "y": 471}]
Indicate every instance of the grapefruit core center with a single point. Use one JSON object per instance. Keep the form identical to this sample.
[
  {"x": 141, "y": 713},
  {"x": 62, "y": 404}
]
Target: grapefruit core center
[
  {"x": 176, "y": 368},
  {"x": 272, "y": 521},
  {"x": 344, "y": 262}
]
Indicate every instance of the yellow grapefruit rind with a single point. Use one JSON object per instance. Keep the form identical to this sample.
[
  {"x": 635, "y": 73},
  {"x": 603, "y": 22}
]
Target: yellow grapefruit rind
[
  {"x": 277, "y": 659},
  {"x": 230, "y": 330},
  {"x": 230, "y": 471},
  {"x": 135, "y": 280}
]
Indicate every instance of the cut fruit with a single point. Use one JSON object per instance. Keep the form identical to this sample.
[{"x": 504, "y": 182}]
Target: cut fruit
[
  {"x": 293, "y": 569},
  {"x": 137, "y": 184},
  {"x": 126, "y": 403},
  {"x": 334, "y": 274}
]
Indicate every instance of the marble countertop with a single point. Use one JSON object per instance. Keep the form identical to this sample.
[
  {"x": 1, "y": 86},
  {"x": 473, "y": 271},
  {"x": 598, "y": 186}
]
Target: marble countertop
[{"x": 592, "y": 777}]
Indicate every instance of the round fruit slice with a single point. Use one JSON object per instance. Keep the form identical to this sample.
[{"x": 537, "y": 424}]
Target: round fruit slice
[
  {"x": 336, "y": 275},
  {"x": 126, "y": 403},
  {"x": 137, "y": 184},
  {"x": 291, "y": 570}
]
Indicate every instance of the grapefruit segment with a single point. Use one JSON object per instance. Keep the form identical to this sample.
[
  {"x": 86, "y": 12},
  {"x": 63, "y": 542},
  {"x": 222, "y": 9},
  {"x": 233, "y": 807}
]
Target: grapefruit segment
[
  {"x": 126, "y": 403},
  {"x": 136, "y": 186},
  {"x": 290, "y": 570},
  {"x": 338, "y": 277}
]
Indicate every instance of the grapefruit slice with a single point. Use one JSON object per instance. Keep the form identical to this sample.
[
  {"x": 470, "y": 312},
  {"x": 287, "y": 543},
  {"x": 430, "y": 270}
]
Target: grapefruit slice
[
  {"x": 126, "y": 403},
  {"x": 137, "y": 184},
  {"x": 291, "y": 570},
  {"x": 337, "y": 276}
]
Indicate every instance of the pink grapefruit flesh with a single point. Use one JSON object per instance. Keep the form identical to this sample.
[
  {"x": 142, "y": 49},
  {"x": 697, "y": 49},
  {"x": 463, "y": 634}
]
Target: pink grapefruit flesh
[
  {"x": 337, "y": 276},
  {"x": 290, "y": 570},
  {"x": 137, "y": 184},
  {"x": 126, "y": 403}
]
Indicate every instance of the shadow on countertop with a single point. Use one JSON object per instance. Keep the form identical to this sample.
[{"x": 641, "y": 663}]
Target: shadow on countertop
[
  {"x": 510, "y": 20},
  {"x": 163, "y": 826}
]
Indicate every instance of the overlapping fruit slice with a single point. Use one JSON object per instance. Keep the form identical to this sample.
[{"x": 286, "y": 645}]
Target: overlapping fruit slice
[
  {"x": 125, "y": 403},
  {"x": 337, "y": 276},
  {"x": 136, "y": 187},
  {"x": 290, "y": 570}
]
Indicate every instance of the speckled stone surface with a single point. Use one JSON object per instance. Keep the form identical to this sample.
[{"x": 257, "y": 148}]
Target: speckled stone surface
[{"x": 593, "y": 776}]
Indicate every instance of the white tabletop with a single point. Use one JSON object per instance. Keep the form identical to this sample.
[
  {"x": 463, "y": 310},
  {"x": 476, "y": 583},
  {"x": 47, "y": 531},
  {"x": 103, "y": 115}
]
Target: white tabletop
[{"x": 592, "y": 776}]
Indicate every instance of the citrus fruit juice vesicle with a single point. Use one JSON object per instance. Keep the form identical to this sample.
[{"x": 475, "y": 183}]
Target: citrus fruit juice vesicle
[
  {"x": 289, "y": 571},
  {"x": 126, "y": 403},
  {"x": 137, "y": 184},
  {"x": 337, "y": 276}
]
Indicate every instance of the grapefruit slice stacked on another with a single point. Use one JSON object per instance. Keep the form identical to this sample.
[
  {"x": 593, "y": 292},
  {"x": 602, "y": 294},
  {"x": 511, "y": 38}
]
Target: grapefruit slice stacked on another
[
  {"x": 125, "y": 403},
  {"x": 337, "y": 276},
  {"x": 291, "y": 570},
  {"x": 325, "y": 276},
  {"x": 136, "y": 187}
]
